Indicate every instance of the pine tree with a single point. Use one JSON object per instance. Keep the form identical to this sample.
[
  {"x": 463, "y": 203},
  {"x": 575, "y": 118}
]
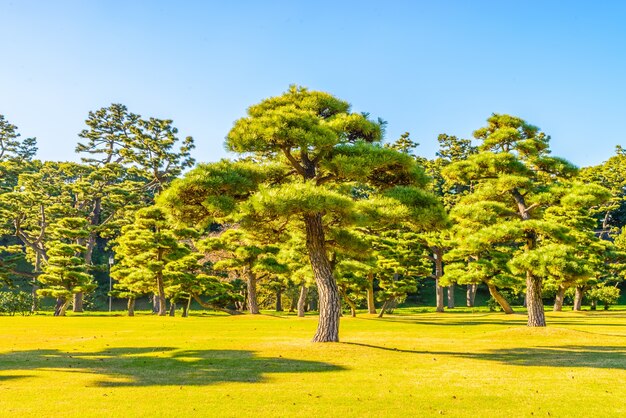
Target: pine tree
[
  {"x": 144, "y": 251},
  {"x": 313, "y": 151},
  {"x": 129, "y": 160},
  {"x": 12, "y": 147},
  {"x": 65, "y": 271},
  {"x": 515, "y": 183},
  {"x": 250, "y": 259}
]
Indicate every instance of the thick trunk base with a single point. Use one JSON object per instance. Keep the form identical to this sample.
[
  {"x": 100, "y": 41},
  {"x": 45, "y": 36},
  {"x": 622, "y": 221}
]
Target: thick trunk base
[
  {"x": 155, "y": 304},
  {"x": 471, "y": 295},
  {"x": 451, "y": 296},
  {"x": 61, "y": 306},
  {"x": 578, "y": 298},
  {"x": 253, "y": 306},
  {"x": 439, "y": 295},
  {"x": 187, "y": 308},
  {"x": 329, "y": 302},
  {"x": 77, "y": 305},
  {"x": 162, "y": 302},
  {"x": 558, "y": 300},
  {"x": 536, "y": 314},
  {"x": 371, "y": 301}
]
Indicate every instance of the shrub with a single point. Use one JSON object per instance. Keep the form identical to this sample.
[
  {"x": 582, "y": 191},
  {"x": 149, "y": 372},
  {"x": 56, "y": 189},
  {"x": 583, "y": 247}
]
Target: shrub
[
  {"x": 15, "y": 302},
  {"x": 607, "y": 295}
]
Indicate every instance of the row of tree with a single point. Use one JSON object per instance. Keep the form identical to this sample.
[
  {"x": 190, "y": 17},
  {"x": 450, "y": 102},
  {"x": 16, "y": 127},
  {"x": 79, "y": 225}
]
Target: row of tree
[{"x": 313, "y": 203}]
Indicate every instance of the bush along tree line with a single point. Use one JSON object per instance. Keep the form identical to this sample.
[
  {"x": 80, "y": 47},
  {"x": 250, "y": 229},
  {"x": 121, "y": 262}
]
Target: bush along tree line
[{"x": 315, "y": 212}]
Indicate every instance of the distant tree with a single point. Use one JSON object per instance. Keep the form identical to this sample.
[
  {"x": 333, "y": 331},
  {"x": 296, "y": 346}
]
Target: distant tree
[
  {"x": 451, "y": 149},
  {"x": 401, "y": 262},
  {"x": 513, "y": 183},
  {"x": 12, "y": 147},
  {"x": 252, "y": 260},
  {"x": 610, "y": 174},
  {"x": 65, "y": 272},
  {"x": 191, "y": 277},
  {"x": 404, "y": 144},
  {"x": 129, "y": 160},
  {"x": 144, "y": 251}
]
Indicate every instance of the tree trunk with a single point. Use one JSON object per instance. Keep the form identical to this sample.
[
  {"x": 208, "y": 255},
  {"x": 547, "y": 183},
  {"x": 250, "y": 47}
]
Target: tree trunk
[
  {"x": 329, "y": 303},
  {"x": 451, "y": 296},
  {"x": 35, "y": 287},
  {"x": 534, "y": 304},
  {"x": 77, "y": 305},
  {"x": 155, "y": 304},
  {"x": 384, "y": 307},
  {"x": 293, "y": 302},
  {"x": 161, "y": 288},
  {"x": 302, "y": 300},
  {"x": 350, "y": 304},
  {"x": 131, "y": 306},
  {"x": 578, "y": 297},
  {"x": 279, "y": 300},
  {"x": 253, "y": 304},
  {"x": 90, "y": 245},
  {"x": 471, "y": 295},
  {"x": 504, "y": 304},
  {"x": 558, "y": 300},
  {"x": 438, "y": 274},
  {"x": 35, "y": 306},
  {"x": 439, "y": 295},
  {"x": 64, "y": 308},
  {"x": 187, "y": 308},
  {"x": 58, "y": 305},
  {"x": 61, "y": 306},
  {"x": 536, "y": 314},
  {"x": 172, "y": 308},
  {"x": 371, "y": 302},
  {"x": 594, "y": 304}
]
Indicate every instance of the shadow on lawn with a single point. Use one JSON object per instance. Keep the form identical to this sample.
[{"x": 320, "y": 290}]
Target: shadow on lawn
[
  {"x": 517, "y": 319},
  {"x": 160, "y": 366},
  {"x": 602, "y": 357}
]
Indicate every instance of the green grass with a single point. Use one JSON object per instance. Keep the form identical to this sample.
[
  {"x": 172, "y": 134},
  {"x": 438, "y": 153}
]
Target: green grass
[{"x": 425, "y": 364}]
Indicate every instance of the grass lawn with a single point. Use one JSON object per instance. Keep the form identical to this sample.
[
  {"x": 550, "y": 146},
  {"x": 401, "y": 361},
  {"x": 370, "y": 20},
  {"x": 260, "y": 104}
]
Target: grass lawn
[{"x": 425, "y": 364}]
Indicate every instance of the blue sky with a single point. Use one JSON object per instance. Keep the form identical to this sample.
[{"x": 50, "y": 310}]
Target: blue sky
[{"x": 426, "y": 67}]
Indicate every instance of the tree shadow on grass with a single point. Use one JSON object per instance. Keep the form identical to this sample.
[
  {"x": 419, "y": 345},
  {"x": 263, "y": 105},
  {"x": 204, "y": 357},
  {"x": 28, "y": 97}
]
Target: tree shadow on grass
[
  {"x": 160, "y": 366},
  {"x": 601, "y": 357},
  {"x": 517, "y": 319}
]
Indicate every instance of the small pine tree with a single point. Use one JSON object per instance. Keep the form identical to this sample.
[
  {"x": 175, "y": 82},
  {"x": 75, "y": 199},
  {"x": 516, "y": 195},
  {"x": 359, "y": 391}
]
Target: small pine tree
[{"x": 65, "y": 272}]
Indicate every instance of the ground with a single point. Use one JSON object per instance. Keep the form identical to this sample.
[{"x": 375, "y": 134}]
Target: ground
[{"x": 420, "y": 364}]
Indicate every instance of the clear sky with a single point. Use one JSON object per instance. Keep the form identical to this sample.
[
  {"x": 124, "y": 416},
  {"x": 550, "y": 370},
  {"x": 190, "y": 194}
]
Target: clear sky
[{"x": 426, "y": 67}]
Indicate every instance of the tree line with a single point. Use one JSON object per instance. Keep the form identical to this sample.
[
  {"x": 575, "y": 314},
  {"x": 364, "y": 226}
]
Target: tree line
[{"x": 315, "y": 207}]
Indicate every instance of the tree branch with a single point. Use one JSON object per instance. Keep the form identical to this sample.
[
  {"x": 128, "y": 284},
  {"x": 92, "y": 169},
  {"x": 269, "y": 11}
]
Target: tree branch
[{"x": 293, "y": 161}]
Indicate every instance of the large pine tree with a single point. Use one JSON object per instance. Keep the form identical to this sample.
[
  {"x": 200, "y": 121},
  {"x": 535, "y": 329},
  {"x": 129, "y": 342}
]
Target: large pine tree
[{"x": 318, "y": 153}]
